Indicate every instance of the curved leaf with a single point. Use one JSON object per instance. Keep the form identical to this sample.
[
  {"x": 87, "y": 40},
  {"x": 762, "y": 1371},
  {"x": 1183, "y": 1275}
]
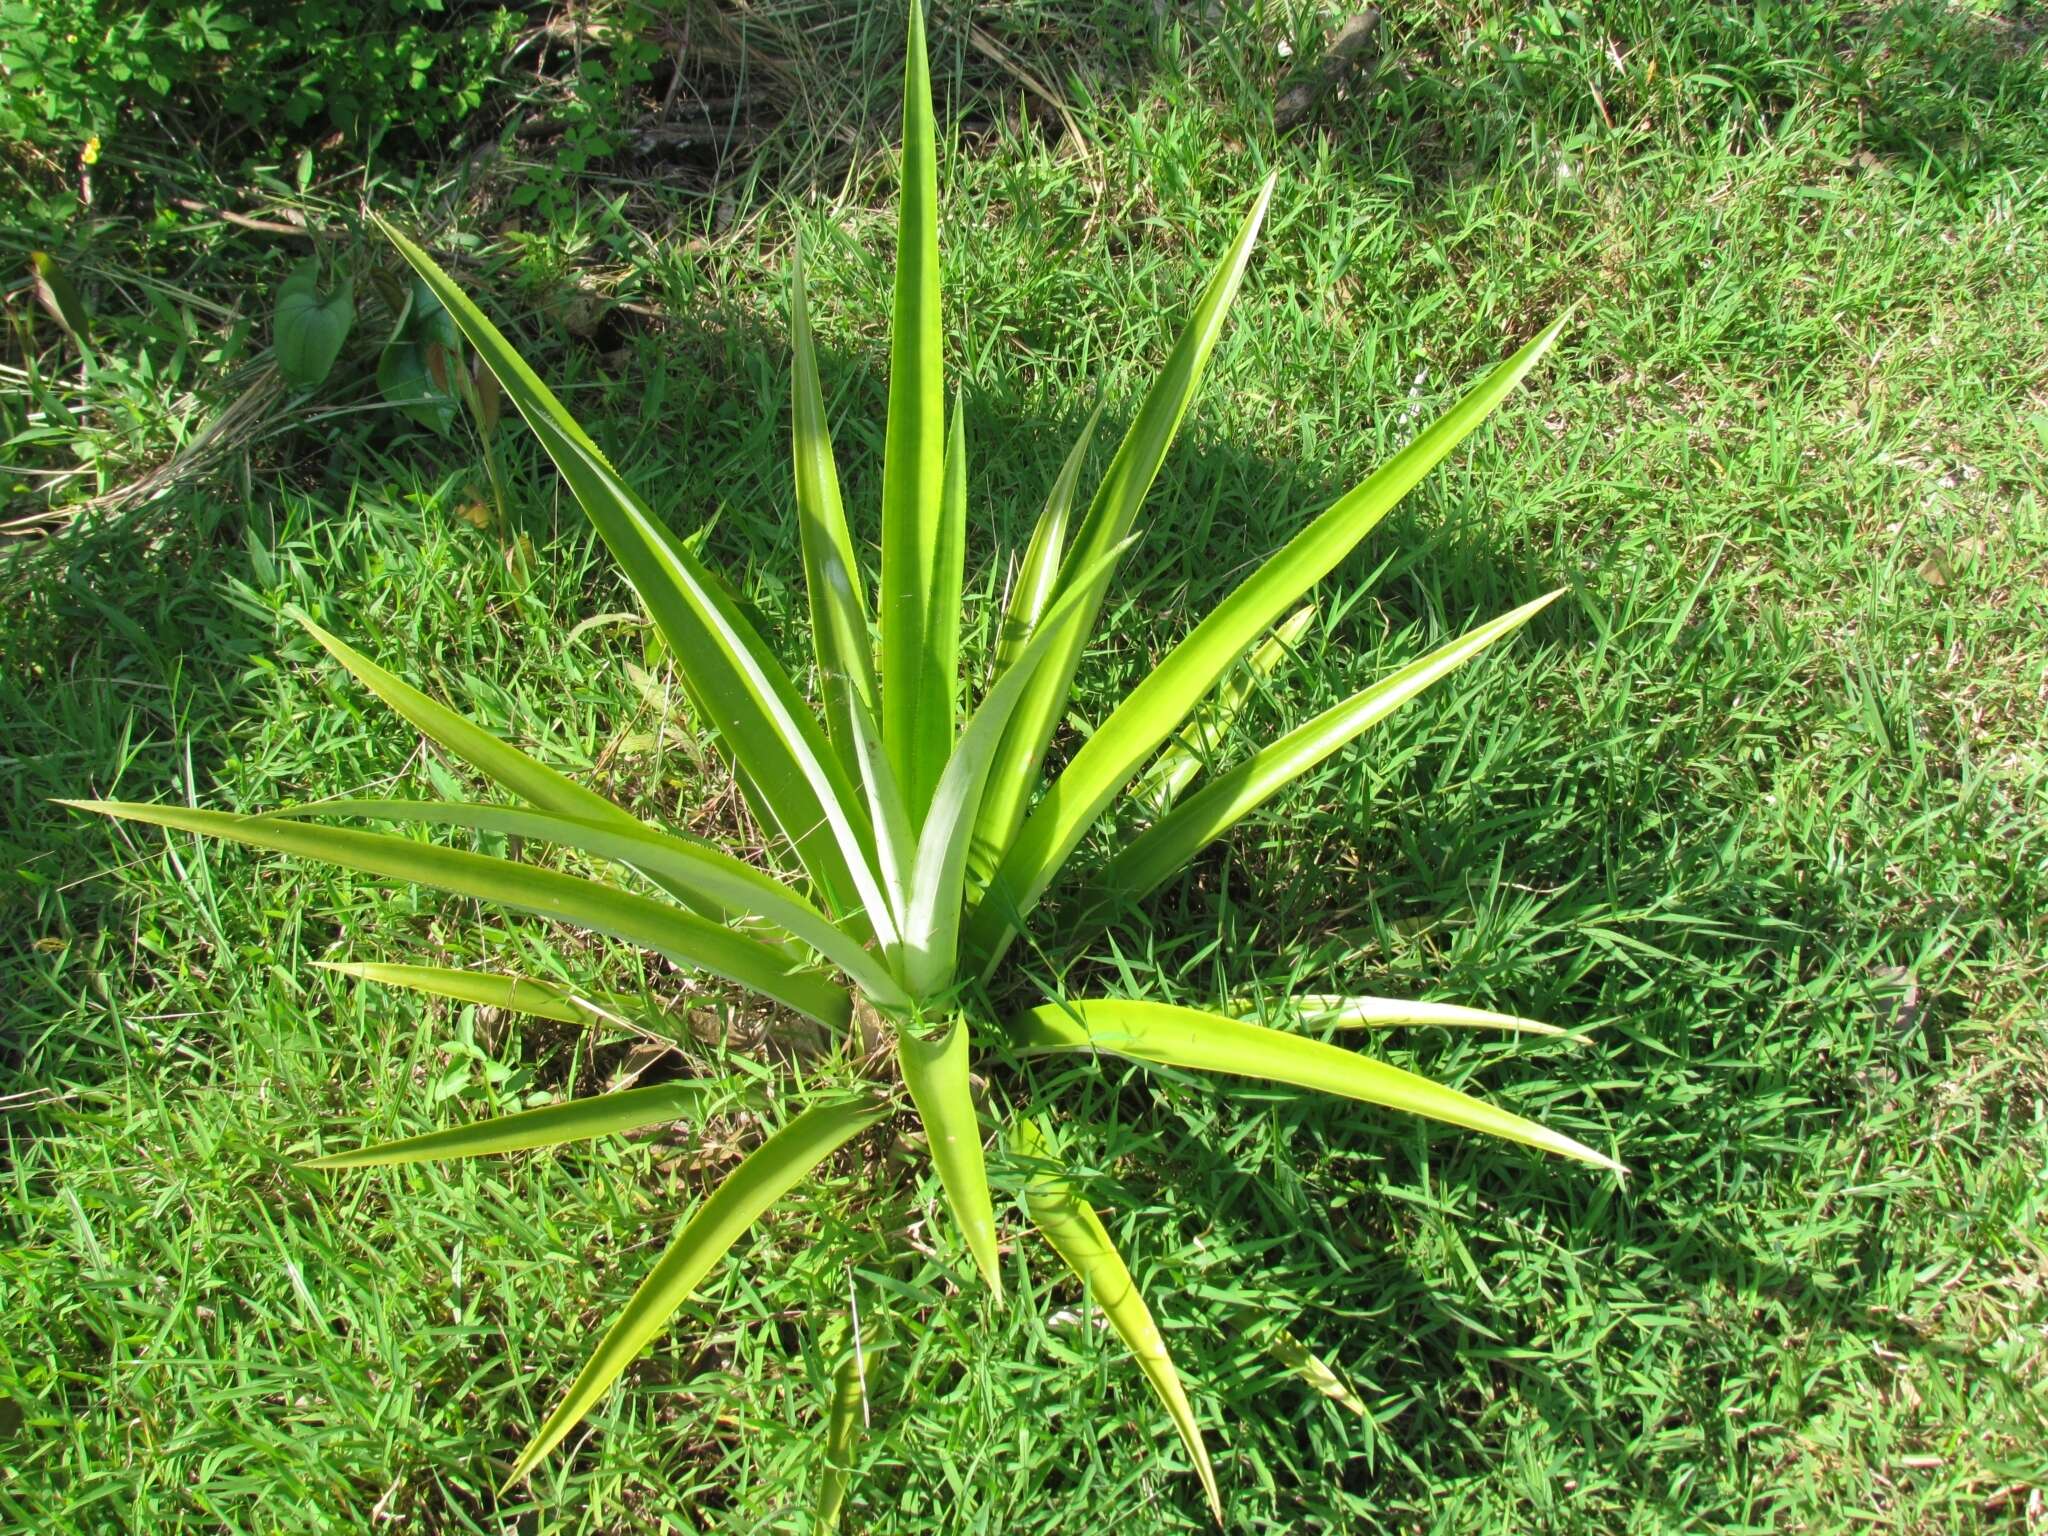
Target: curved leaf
[
  {"x": 1166, "y": 694},
  {"x": 606, "y": 1114},
  {"x": 1206, "y": 1042},
  {"x": 1180, "y": 834},
  {"x": 499, "y": 761},
  {"x": 936, "y": 1074},
  {"x": 767, "y": 1174},
  {"x": 684, "y": 937},
  {"x": 702, "y": 875},
  {"x": 1078, "y": 1236}
]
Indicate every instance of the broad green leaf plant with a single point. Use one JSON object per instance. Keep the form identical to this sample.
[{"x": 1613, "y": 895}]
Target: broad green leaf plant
[{"x": 911, "y": 838}]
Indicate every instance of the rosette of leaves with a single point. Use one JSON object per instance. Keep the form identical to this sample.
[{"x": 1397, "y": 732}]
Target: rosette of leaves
[{"x": 910, "y": 847}]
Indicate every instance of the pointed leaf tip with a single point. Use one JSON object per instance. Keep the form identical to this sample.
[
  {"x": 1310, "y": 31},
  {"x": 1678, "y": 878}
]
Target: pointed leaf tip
[
  {"x": 1069, "y": 1223},
  {"x": 764, "y": 1177}
]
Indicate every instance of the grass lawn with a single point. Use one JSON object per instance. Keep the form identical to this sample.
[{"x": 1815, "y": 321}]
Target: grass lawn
[{"x": 1759, "y": 809}]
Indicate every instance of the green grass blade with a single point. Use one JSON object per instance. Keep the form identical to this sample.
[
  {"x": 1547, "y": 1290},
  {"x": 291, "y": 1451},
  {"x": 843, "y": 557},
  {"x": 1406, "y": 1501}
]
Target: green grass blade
[
  {"x": 703, "y": 876},
  {"x": 935, "y": 1071},
  {"x": 1207, "y": 1042},
  {"x": 1108, "y": 522},
  {"x": 1165, "y": 696},
  {"x": 738, "y": 685},
  {"x": 916, "y": 701},
  {"x": 1037, "y": 577},
  {"x": 684, "y": 937},
  {"x": 1180, "y": 834},
  {"x": 839, "y": 615},
  {"x": 1077, "y": 1235},
  {"x": 1340, "y": 1012},
  {"x": 1193, "y": 749},
  {"x": 931, "y": 928},
  {"x": 605, "y": 1114},
  {"x": 768, "y": 1173}
]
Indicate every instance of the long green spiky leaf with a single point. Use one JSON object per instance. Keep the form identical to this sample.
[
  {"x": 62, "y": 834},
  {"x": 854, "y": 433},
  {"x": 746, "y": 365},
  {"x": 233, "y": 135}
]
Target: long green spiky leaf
[
  {"x": 839, "y": 615},
  {"x": 1207, "y": 1042},
  {"x": 1177, "y": 836},
  {"x": 936, "y": 1073},
  {"x": 1077, "y": 1235},
  {"x": 513, "y": 994},
  {"x": 767, "y": 1174},
  {"x": 1188, "y": 753},
  {"x": 606, "y": 1114},
  {"x": 702, "y": 875},
  {"x": 931, "y": 928},
  {"x": 684, "y": 937},
  {"x": 917, "y": 711},
  {"x": 1107, "y": 524},
  {"x": 1360, "y": 1012},
  {"x": 497, "y": 760},
  {"x": 736, "y": 682},
  {"x": 1037, "y": 576},
  {"x": 1165, "y": 696}
]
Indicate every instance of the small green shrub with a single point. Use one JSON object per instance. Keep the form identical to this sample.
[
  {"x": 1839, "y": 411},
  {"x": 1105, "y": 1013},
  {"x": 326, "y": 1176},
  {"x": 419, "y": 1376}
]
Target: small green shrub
[
  {"x": 76, "y": 70},
  {"x": 910, "y": 849}
]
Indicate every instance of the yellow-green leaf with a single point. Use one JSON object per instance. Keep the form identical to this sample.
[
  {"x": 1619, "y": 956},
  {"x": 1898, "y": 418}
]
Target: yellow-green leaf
[
  {"x": 1196, "y": 746},
  {"x": 936, "y": 1073},
  {"x": 1078, "y": 1236},
  {"x": 1393, "y": 1012},
  {"x": 767, "y": 1174},
  {"x": 1107, "y": 524},
  {"x": 683, "y": 936},
  {"x": 1165, "y": 695},
  {"x": 1313, "y": 1369},
  {"x": 842, "y": 1427},
  {"x": 1226, "y": 800},
  {"x": 839, "y": 615},
  {"x": 736, "y": 682},
  {"x": 917, "y": 711},
  {"x": 704, "y": 877},
  {"x": 1207, "y": 1042},
  {"x": 514, "y": 994},
  {"x": 605, "y": 1114}
]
